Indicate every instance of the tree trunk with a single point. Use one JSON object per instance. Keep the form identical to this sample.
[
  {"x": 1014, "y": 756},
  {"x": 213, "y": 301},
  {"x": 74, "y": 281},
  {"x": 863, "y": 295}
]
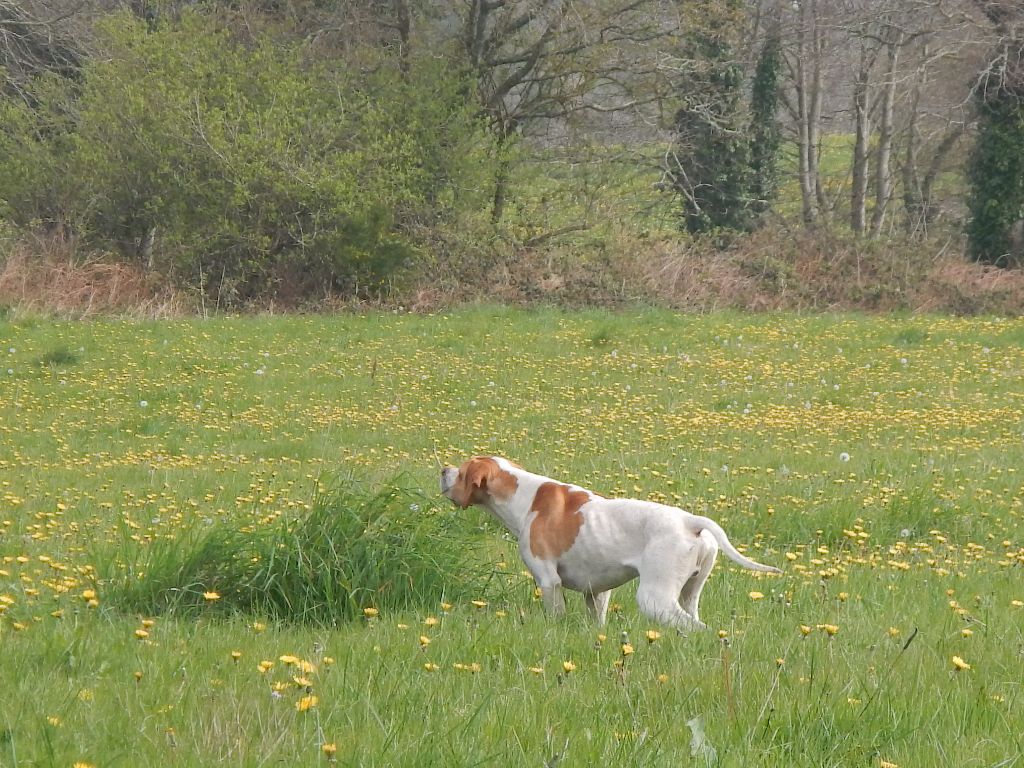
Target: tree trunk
[
  {"x": 886, "y": 132},
  {"x": 805, "y": 110},
  {"x": 862, "y": 131}
]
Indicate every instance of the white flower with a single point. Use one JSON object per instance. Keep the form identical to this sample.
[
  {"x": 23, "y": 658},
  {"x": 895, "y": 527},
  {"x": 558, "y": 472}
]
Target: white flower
[
  {"x": 143, "y": 403},
  {"x": 844, "y": 456}
]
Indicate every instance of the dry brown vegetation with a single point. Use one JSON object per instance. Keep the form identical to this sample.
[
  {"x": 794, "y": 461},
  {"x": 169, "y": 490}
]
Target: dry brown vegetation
[
  {"x": 48, "y": 275},
  {"x": 770, "y": 270}
]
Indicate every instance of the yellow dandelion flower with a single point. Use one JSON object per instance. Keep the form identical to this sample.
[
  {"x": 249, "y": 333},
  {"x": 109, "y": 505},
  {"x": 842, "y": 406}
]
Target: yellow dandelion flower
[
  {"x": 264, "y": 667},
  {"x": 830, "y": 629},
  {"x": 1017, "y": 603},
  {"x": 138, "y": 676},
  {"x": 303, "y": 682},
  {"x": 424, "y": 641},
  {"x": 211, "y": 596},
  {"x": 662, "y": 678},
  {"x": 966, "y": 632},
  {"x": 258, "y": 626},
  {"x": 236, "y": 655},
  {"x": 446, "y": 607},
  {"x": 431, "y": 667},
  {"x": 537, "y": 670},
  {"x": 478, "y": 603},
  {"x": 568, "y": 666},
  {"x": 54, "y": 721},
  {"x": 288, "y": 659},
  {"x": 141, "y": 634},
  {"x": 88, "y": 594},
  {"x": 627, "y": 649},
  {"x": 894, "y": 632},
  {"x": 722, "y": 634},
  {"x": 959, "y": 664},
  {"x": 755, "y": 595},
  {"x": 306, "y": 703},
  {"x": 886, "y": 764},
  {"x": 371, "y": 612},
  {"x": 652, "y": 635},
  {"x": 147, "y": 623},
  {"x": 329, "y": 750}
]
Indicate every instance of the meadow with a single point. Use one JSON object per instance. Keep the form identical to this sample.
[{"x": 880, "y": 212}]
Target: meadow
[{"x": 145, "y": 466}]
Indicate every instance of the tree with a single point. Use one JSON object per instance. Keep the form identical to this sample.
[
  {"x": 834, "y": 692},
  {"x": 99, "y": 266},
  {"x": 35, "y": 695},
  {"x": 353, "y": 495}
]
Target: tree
[
  {"x": 710, "y": 165},
  {"x": 996, "y": 174},
  {"x": 766, "y": 136}
]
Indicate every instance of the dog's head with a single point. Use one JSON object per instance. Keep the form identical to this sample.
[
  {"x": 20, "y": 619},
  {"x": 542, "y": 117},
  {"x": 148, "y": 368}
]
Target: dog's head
[{"x": 478, "y": 481}]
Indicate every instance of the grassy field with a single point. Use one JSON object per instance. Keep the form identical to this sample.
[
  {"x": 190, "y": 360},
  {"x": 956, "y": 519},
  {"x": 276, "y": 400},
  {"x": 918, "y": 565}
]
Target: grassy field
[{"x": 875, "y": 459}]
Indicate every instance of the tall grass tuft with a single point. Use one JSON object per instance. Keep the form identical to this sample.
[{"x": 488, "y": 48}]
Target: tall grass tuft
[{"x": 392, "y": 548}]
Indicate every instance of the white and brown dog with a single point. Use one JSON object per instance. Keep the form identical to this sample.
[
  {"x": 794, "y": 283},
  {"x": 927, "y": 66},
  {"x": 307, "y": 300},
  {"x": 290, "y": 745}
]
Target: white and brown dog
[{"x": 571, "y": 537}]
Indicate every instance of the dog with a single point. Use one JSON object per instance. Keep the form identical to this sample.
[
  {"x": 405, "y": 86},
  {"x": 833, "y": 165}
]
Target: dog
[{"x": 571, "y": 537}]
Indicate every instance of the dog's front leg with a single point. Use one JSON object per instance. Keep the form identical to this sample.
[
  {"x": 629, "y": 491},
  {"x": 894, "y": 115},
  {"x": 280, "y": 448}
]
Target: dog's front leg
[
  {"x": 554, "y": 602},
  {"x": 546, "y": 576}
]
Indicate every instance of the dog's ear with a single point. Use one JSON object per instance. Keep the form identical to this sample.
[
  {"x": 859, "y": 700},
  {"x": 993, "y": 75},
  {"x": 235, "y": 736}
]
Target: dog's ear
[
  {"x": 472, "y": 479},
  {"x": 478, "y": 471}
]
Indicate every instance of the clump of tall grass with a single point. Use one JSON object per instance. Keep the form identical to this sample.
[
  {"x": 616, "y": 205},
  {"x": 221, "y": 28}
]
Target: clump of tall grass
[{"x": 391, "y": 548}]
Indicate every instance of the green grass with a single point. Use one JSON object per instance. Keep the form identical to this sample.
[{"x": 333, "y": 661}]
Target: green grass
[{"x": 875, "y": 459}]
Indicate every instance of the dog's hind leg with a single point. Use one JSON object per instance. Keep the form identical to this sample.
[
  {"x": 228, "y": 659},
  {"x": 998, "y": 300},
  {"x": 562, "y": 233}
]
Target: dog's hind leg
[
  {"x": 597, "y": 604},
  {"x": 707, "y": 552},
  {"x": 662, "y": 606}
]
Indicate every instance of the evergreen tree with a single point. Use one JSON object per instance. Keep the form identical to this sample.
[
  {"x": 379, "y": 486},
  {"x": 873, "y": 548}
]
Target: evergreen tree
[
  {"x": 765, "y": 134},
  {"x": 711, "y": 168},
  {"x": 996, "y": 171}
]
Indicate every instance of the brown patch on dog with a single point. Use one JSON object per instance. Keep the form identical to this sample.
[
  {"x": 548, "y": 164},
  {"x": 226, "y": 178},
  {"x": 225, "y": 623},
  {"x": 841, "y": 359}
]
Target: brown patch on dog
[
  {"x": 558, "y": 519},
  {"x": 481, "y": 477}
]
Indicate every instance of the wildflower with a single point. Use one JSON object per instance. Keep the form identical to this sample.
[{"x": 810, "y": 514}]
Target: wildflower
[
  {"x": 792, "y": 555},
  {"x": 424, "y": 641},
  {"x": 211, "y": 596},
  {"x": 54, "y": 721},
  {"x": 1017, "y": 603},
  {"x": 431, "y": 667},
  {"x": 264, "y": 667},
  {"x": 327, "y": 660},
  {"x": 258, "y": 626},
  {"x": 138, "y": 676},
  {"x": 236, "y": 655},
  {"x": 289, "y": 660},
  {"x": 430, "y": 621},
  {"x": 830, "y": 629},
  {"x": 446, "y": 607},
  {"x": 478, "y": 603},
  {"x": 371, "y": 612},
  {"x": 147, "y": 623},
  {"x": 894, "y": 632},
  {"x": 886, "y": 764},
  {"x": 652, "y": 635},
  {"x": 966, "y": 632},
  {"x": 662, "y": 678},
  {"x": 329, "y": 750},
  {"x": 141, "y": 634},
  {"x": 537, "y": 670},
  {"x": 627, "y": 649},
  {"x": 779, "y": 662},
  {"x": 843, "y": 597},
  {"x": 959, "y": 664},
  {"x": 568, "y": 666},
  {"x": 756, "y": 595},
  {"x": 722, "y": 634},
  {"x": 306, "y": 703},
  {"x": 303, "y": 682},
  {"x": 88, "y": 594}
]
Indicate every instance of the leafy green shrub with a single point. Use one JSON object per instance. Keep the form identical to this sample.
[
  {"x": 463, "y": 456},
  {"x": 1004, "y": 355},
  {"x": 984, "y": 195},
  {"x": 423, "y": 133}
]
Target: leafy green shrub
[
  {"x": 393, "y": 549},
  {"x": 241, "y": 169}
]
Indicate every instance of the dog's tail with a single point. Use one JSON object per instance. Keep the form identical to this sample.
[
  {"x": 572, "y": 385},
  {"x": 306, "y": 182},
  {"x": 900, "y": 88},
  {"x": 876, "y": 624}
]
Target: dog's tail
[{"x": 698, "y": 524}]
